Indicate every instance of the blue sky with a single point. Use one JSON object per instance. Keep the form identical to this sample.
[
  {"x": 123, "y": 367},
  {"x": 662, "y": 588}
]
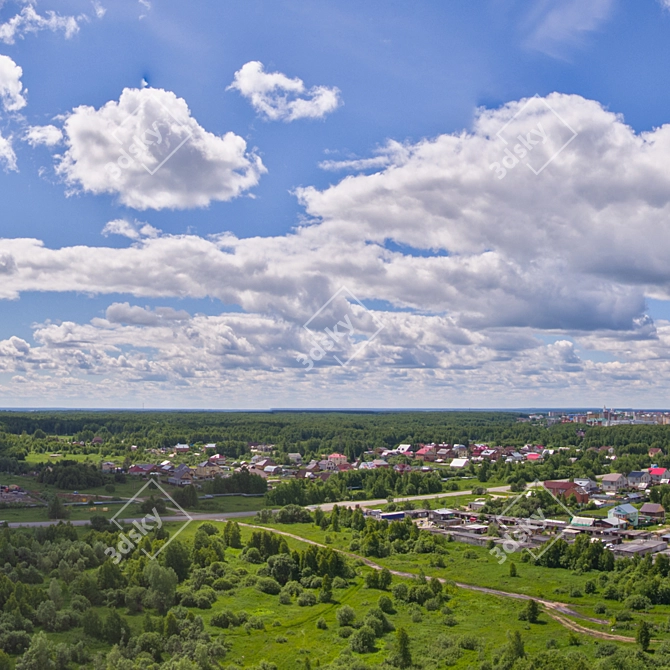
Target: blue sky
[{"x": 507, "y": 302}]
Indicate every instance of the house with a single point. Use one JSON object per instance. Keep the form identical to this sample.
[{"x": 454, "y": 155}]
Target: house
[
  {"x": 443, "y": 453},
  {"x": 582, "y": 522},
  {"x": 533, "y": 457},
  {"x": 379, "y": 463},
  {"x": 262, "y": 463},
  {"x": 657, "y": 474},
  {"x": 476, "y": 505},
  {"x": 97, "y": 440},
  {"x": 402, "y": 467},
  {"x": 326, "y": 465},
  {"x": 272, "y": 470},
  {"x": 426, "y": 454},
  {"x": 460, "y": 463},
  {"x": 638, "y": 477},
  {"x": 211, "y": 445},
  {"x": 295, "y": 458},
  {"x": 639, "y": 548},
  {"x": 404, "y": 448},
  {"x": 343, "y": 467},
  {"x": 206, "y": 470},
  {"x": 337, "y": 459},
  {"x": 626, "y": 512},
  {"x": 613, "y": 482},
  {"x": 567, "y": 489},
  {"x": 141, "y": 470},
  {"x": 655, "y": 452},
  {"x": 108, "y": 466},
  {"x": 653, "y": 512},
  {"x": 586, "y": 483},
  {"x": 182, "y": 476},
  {"x": 442, "y": 514},
  {"x": 181, "y": 448}
]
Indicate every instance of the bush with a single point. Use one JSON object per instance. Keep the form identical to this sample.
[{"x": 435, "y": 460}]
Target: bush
[
  {"x": 611, "y": 592},
  {"x": 605, "y": 649},
  {"x": 255, "y": 623},
  {"x": 385, "y": 604},
  {"x": 345, "y": 632},
  {"x": 345, "y": 615},
  {"x": 280, "y": 639},
  {"x": 268, "y": 585},
  {"x": 590, "y": 586},
  {"x": 470, "y": 642},
  {"x": 284, "y": 598},
  {"x": 400, "y": 592},
  {"x": 306, "y": 599},
  {"x": 363, "y": 640},
  {"x": 339, "y": 583},
  {"x": 600, "y": 608},
  {"x": 321, "y": 624},
  {"x": 223, "y": 584},
  {"x": 637, "y": 602},
  {"x": 432, "y": 604},
  {"x": 575, "y": 592}
]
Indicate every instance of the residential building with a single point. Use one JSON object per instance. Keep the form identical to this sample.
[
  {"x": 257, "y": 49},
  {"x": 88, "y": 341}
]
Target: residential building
[
  {"x": 426, "y": 454},
  {"x": 295, "y": 458},
  {"x": 567, "y": 489},
  {"x": 141, "y": 469},
  {"x": 613, "y": 482},
  {"x": 182, "y": 476},
  {"x": 459, "y": 463},
  {"x": 337, "y": 459},
  {"x": 108, "y": 466},
  {"x": 638, "y": 477},
  {"x": 586, "y": 483},
  {"x": 182, "y": 448},
  {"x": 652, "y": 512},
  {"x": 657, "y": 474},
  {"x": 626, "y": 512}
]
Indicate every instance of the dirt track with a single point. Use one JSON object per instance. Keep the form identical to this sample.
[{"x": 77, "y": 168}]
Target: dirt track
[{"x": 554, "y": 609}]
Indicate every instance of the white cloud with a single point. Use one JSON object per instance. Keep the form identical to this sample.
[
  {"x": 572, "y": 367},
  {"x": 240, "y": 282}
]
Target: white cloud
[
  {"x": 280, "y": 98},
  {"x": 556, "y": 25},
  {"x": 134, "y": 231},
  {"x": 48, "y": 135},
  {"x": 99, "y": 10},
  {"x": 516, "y": 302},
  {"x": 11, "y": 88},
  {"x": 29, "y": 21},
  {"x": 176, "y": 164},
  {"x": 7, "y": 155}
]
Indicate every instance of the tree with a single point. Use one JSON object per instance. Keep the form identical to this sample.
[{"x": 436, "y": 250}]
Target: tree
[
  {"x": 532, "y": 611},
  {"x": 110, "y": 576},
  {"x": 512, "y": 570},
  {"x": 363, "y": 640},
  {"x": 38, "y": 655},
  {"x": 56, "y": 593},
  {"x": 56, "y": 509},
  {"x": 186, "y": 497},
  {"x": 385, "y": 579},
  {"x": 162, "y": 586},
  {"x": 171, "y": 625},
  {"x": 515, "y": 645},
  {"x": 115, "y": 628},
  {"x": 403, "y": 656},
  {"x": 177, "y": 557},
  {"x": 643, "y": 635},
  {"x": 326, "y": 593},
  {"x": 232, "y": 535},
  {"x": 92, "y": 624}
]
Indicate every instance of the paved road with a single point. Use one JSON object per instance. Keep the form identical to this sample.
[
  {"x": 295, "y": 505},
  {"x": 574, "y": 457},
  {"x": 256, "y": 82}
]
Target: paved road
[
  {"x": 220, "y": 516},
  {"x": 327, "y": 507}
]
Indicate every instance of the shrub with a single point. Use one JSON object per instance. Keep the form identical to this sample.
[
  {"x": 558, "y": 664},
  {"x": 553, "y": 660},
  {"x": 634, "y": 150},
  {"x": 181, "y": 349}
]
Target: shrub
[
  {"x": 363, "y": 640},
  {"x": 449, "y": 620},
  {"x": 223, "y": 584},
  {"x": 600, "y": 608},
  {"x": 284, "y": 598},
  {"x": 400, "y": 592},
  {"x": 575, "y": 592},
  {"x": 470, "y": 642},
  {"x": 268, "y": 585},
  {"x": 321, "y": 624},
  {"x": 255, "y": 622},
  {"x": 605, "y": 649},
  {"x": 624, "y": 615},
  {"x": 637, "y": 602},
  {"x": 345, "y": 615},
  {"x": 345, "y": 632},
  {"x": 590, "y": 586},
  {"x": 432, "y": 604},
  {"x": 385, "y": 604},
  {"x": 611, "y": 592},
  {"x": 417, "y": 617},
  {"x": 339, "y": 583},
  {"x": 281, "y": 639},
  {"x": 306, "y": 599}
]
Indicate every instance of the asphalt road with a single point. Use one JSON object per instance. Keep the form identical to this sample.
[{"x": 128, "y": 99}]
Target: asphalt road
[{"x": 222, "y": 516}]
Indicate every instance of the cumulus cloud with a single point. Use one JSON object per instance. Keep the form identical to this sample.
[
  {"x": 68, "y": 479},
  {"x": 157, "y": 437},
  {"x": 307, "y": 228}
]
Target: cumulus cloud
[
  {"x": 48, "y": 136},
  {"x": 11, "y": 88},
  {"x": 148, "y": 149},
  {"x": 134, "y": 230},
  {"x": 123, "y": 312},
  {"x": 29, "y": 21},
  {"x": 483, "y": 283},
  {"x": 280, "y": 98}
]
